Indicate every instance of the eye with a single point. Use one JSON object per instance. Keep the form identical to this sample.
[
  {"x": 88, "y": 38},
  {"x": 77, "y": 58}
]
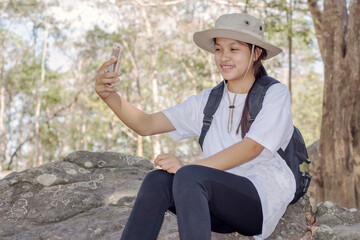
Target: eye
[
  {"x": 217, "y": 49},
  {"x": 234, "y": 49}
]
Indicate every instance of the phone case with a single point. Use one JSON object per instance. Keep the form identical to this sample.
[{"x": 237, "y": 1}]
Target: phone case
[{"x": 115, "y": 53}]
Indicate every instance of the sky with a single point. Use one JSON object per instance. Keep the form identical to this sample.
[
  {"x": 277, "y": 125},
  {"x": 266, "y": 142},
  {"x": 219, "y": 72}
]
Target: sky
[{"x": 82, "y": 16}]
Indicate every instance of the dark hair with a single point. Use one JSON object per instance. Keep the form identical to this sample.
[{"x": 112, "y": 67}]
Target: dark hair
[{"x": 259, "y": 71}]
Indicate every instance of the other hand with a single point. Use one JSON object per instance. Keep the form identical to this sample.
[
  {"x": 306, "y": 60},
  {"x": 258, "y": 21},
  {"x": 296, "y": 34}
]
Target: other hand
[
  {"x": 103, "y": 78},
  {"x": 168, "y": 162}
]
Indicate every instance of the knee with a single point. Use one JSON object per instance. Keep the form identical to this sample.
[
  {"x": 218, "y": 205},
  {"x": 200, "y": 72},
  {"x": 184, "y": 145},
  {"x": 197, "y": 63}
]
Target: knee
[
  {"x": 156, "y": 181},
  {"x": 187, "y": 177}
]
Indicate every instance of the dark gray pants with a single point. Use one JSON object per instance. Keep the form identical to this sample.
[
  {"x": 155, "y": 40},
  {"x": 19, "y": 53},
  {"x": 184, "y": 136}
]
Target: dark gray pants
[{"x": 204, "y": 200}]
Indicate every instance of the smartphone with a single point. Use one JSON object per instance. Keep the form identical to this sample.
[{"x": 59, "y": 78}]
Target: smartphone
[{"x": 116, "y": 52}]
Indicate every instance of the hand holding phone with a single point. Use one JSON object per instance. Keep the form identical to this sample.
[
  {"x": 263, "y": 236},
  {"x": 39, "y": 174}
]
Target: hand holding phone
[{"x": 115, "y": 53}]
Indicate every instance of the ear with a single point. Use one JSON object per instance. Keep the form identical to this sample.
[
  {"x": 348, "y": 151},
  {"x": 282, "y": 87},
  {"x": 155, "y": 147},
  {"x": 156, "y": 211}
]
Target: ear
[{"x": 257, "y": 53}]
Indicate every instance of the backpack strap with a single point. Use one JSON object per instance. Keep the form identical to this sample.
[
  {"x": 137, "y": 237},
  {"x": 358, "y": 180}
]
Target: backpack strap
[
  {"x": 257, "y": 95},
  {"x": 210, "y": 108}
]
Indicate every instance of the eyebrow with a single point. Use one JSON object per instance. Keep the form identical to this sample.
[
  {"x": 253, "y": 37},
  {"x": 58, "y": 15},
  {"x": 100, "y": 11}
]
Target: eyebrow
[{"x": 233, "y": 43}]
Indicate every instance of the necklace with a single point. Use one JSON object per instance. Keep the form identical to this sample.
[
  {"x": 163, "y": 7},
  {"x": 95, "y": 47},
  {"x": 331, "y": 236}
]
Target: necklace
[{"x": 232, "y": 104}]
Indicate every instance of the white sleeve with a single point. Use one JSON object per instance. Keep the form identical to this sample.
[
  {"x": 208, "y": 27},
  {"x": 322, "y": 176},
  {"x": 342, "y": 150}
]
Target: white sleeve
[
  {"x": 187, "y": 117},
  {"x": 273, "y": 126}
]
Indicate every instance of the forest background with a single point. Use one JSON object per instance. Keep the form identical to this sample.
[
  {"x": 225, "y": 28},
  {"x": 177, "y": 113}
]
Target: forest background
[{"x": 50, "y": 51}]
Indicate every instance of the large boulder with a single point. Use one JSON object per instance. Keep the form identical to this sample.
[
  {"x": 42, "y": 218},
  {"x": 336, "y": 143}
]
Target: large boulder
[
  {"x": 90, "y": 195},
  {"x": 337, "y": 222}
]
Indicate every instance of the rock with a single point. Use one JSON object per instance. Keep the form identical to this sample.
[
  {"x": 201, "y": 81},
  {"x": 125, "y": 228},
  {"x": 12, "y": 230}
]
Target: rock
[
  {"x": 316, "y": 169},
  {"x": 4, "y": 173},
  {"x": 337, "y": 222},
  {"x": 89, "y": 196}
]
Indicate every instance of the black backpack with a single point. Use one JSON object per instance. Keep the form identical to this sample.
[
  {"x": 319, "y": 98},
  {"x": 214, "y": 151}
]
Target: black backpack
[{"x": 295, "y": 154}]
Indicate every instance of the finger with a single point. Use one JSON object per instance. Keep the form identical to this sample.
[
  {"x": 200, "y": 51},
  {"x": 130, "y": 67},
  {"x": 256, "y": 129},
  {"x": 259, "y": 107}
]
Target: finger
[
  {"x": 158, "y": 167},
  {"x": 112, "y": 74},
  {"x": 156, "y": 161},
  {"x": 172, "y": 170},
  {"x": 165, "y": 166},
  {"x": 158, "y": 158},
  {"x": 101, "y": 76},
  {"x": 159, "y": 162},
  {"x": 106, "y": 65},
  {"x": 168, "y": 164},
  {"x": 107, "y": 81},
  {"x": 104, "y": 88}
]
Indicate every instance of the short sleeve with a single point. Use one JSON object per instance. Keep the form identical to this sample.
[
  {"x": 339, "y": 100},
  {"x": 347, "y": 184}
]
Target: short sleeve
[
  {"x": 187, "y": 116},
  {"x": 273, "y": 126}
]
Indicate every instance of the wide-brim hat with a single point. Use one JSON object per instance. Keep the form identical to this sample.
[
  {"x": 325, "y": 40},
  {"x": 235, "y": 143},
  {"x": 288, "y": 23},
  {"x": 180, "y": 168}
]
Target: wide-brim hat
[{"x": 238, "y": 26}]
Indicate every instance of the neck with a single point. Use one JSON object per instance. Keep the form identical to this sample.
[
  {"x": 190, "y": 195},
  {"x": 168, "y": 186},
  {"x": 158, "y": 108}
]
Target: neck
[{"x": 241, "y": 87}]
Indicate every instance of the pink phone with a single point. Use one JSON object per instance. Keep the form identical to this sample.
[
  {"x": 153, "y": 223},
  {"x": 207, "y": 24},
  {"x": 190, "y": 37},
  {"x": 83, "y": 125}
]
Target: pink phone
[{"x": 117, "y": 53}]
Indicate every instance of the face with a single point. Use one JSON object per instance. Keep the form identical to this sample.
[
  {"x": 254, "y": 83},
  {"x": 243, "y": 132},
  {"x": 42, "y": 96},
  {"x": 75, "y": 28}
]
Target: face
[{"x": 232, "y": 58}]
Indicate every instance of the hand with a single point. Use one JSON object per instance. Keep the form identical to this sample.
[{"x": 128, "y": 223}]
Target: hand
[
  {"x": 168, "y": 162},
  {"x": 102, "y": 78}
]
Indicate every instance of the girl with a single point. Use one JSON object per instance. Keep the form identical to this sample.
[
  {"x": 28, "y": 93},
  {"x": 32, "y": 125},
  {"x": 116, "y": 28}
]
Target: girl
[{"x": 241, "y": 184}]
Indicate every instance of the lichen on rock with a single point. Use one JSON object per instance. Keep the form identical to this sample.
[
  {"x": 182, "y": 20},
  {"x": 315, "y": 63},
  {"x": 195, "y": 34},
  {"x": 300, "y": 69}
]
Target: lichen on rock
[{"x": 46, "y": 179}]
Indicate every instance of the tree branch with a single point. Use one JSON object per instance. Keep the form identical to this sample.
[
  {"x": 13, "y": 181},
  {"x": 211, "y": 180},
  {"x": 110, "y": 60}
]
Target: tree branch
[
  {"x": 63, "y": 108},
  {"x": 17, "y": 150},
  {"x": 161, "y": 3},
  {"x": 317, "y": 19}
]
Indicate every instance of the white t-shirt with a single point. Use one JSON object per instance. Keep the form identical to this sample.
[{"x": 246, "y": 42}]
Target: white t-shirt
[{"x": 272, "y": 128}]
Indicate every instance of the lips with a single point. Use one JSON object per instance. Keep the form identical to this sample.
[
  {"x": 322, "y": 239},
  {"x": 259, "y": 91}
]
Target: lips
[{"x": 227, "y": 67}]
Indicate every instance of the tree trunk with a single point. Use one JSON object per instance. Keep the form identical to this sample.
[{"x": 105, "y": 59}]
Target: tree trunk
[
  {"x": 338, "y": 29},
  {"x": 139, "y": 151},
  {"x": 289, "y": 14},
  {"x": 3, "y": 140},
  {"x": 156, "y": 138},
  {"x": 38, "y": 154},
  {"x": 3, "y": 131},
  {"x": 153, "y": 75}
]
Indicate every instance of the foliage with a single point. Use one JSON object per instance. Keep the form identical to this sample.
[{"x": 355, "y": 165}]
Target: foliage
[{"x": 161, "y": 67}]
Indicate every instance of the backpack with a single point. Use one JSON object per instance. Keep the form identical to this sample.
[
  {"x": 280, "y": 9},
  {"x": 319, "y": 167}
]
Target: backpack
[{"x": 295, "y": 154}]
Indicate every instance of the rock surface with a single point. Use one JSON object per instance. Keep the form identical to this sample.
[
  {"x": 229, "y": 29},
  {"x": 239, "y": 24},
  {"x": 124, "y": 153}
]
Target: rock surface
[
  {"x": 89, "y": 196},
  {"x": 337, "y": 222}
]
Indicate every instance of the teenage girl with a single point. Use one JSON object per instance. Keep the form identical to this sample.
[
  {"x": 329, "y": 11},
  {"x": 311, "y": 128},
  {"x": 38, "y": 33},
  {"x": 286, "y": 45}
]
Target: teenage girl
[{"x": 241, "y": 184}]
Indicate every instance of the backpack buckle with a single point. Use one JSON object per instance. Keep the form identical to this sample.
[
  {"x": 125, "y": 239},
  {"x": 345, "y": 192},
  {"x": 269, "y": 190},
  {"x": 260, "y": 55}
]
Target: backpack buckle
[
  {"x": 306, "y": 182},
  {"x": 207, "y": 120},
  {"x": 304, "y": 167}
]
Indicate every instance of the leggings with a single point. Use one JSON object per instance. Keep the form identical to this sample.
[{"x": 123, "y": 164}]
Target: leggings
[{"x": 203, "y": 199}]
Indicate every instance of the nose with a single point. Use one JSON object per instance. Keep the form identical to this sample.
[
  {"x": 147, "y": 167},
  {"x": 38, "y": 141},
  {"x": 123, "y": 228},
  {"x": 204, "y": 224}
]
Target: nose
[{"x": 225, "y": 55}]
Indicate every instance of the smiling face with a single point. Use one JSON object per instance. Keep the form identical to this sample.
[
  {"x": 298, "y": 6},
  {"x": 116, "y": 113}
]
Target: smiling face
[{"x": 232, "y": 59}]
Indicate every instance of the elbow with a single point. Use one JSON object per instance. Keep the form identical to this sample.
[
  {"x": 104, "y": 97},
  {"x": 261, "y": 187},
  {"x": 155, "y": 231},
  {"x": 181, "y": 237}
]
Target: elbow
[
  {"x": 144, "y": 132},
  {"x": 254, "y": 147}
]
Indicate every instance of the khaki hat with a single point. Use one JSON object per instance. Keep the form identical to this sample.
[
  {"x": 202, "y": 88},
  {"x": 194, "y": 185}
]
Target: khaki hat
[{"x": 238, "y": 26}]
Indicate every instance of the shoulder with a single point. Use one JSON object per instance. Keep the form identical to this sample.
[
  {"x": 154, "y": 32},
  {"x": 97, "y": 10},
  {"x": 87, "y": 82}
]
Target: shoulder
[
  {"x": 195, "y": 101},
  {"x": 200, "y": 97},
  {"x": 278, "y": 89},
  {"x": 277, "y": 94}
]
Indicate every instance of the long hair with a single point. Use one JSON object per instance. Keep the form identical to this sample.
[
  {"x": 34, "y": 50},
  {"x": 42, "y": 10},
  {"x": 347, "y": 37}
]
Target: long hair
[{"x": 259, "y": 71}]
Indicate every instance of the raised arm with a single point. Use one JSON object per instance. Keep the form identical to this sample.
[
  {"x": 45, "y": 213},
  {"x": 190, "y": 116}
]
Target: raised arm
[{"x": 142, "y": 123}]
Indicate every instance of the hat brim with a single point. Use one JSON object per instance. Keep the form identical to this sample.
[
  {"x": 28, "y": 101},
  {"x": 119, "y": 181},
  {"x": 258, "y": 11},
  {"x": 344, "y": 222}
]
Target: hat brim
[{"x": 205, "y": 40}]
